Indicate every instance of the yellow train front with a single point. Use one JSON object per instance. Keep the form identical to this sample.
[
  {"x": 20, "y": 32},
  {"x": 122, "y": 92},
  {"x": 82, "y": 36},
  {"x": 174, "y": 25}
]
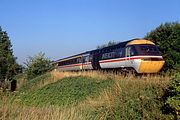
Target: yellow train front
[
  {"x": 144, "y": 56},
  {"x": 139, "y": 55}
]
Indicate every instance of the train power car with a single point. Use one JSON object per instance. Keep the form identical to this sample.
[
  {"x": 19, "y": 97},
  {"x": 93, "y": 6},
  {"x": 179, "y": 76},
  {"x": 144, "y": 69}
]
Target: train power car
[{"x": 139, "y": 55}]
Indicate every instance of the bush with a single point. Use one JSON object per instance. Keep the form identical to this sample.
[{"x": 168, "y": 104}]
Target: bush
[
  {"x": 172, "y": 103},
  {"x": 135, "y": 100},
  {"x": 167, "y": 38},
  {"x": 37, "y": 65}
]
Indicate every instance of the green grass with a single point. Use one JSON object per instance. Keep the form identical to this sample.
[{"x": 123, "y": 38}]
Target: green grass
[
  {"x": 33, "y": 84},
  {"x": 66, "y": 91},
  {"x": 83, "y": 97}
]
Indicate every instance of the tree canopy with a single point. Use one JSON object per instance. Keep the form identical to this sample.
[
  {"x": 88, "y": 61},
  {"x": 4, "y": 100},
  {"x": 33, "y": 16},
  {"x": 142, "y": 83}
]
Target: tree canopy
[
  {"x": 110, "y": 43},
  {"x": 8, "y": 65},
  {"x": 167, "y": 38}
]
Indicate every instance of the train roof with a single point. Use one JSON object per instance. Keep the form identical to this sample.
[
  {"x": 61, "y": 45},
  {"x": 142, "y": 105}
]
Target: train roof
[
  {"x": 80, "y": 54},
  {"x": 120, "y": 44}
]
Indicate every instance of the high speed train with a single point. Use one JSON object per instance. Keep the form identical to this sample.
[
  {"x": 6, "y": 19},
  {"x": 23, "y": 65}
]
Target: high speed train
[{"x": 139, "y": 55}]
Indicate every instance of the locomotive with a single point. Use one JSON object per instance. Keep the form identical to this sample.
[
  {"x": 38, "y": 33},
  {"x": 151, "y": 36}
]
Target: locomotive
[{"x": 139, "y": 55}]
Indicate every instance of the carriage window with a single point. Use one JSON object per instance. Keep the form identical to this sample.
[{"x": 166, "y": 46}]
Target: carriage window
[
  {"x": 60, "y": 63},
  {"x": 121, "y": 53},
  {"x": 87, "y": 59},
  {"x": 79, "y": 60},
  {"x": 118, "y": 53},
  {"x": 90, "y": 58},
  {"x": 130, "y": 51}
]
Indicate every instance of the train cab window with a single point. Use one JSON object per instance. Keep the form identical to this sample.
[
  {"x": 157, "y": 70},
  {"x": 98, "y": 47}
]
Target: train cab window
[
  {"x": 147, "y": 50},
  {"x": 132, "y": 51}
]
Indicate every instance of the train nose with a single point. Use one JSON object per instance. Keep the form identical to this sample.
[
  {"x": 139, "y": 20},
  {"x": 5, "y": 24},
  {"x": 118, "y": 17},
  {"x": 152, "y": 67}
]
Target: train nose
[{"x": 150, "y": 66}]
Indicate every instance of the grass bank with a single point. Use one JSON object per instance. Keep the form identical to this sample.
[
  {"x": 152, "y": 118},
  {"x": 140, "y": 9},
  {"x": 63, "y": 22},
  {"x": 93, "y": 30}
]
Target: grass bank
[{"x": 86, "y": 95}]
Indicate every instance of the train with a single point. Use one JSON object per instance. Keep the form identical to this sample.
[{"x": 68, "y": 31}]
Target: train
[{"x": 138, "y": 55}]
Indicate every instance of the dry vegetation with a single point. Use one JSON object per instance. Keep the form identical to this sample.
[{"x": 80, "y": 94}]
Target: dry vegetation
[{"x": 106, "y": 106}]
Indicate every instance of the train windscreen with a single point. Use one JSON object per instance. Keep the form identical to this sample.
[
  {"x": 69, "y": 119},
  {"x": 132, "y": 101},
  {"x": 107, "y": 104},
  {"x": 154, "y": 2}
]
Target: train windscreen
[{"x": 147, "y": 49}]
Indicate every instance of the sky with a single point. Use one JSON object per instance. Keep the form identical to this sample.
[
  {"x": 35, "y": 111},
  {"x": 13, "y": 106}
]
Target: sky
[{"x": 61, "y": 28}]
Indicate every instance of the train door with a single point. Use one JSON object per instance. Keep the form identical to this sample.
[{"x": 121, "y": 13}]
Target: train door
[
  {"x": 85, "y": 60},
  {"x": 130, "y": 52},
  {"x": 95, "y": 62},
  {"x": 127, "y": 55}
]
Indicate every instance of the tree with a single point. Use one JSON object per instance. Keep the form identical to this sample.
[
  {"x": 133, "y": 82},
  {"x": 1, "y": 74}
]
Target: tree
[
  {"x": 167, "y": 38},
  {"x": 110, "y": 43},
  {"x": 8, "y": 65},
  {"x": 37, "y": 65}
]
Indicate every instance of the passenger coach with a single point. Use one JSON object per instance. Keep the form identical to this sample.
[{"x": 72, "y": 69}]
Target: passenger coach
[{"x": 139, "y": 55}]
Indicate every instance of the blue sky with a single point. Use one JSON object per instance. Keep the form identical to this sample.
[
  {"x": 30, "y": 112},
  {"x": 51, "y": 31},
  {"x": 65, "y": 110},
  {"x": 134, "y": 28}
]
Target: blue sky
[{"x": 60, "y": 28}]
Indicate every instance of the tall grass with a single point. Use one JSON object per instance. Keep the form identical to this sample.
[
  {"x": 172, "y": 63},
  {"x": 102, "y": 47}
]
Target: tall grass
[
  {"x": 21, "y": 112},
  {"x": 128, "y": 97}
]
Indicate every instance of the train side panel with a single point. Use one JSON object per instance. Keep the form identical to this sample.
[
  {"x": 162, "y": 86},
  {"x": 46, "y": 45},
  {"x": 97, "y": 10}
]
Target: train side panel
[
  {"x": 113, "y": 63},
  {"x": 87, "y": 66},
  {"x": 141, "y": 55},
  {"x": 70, "y": 67}
]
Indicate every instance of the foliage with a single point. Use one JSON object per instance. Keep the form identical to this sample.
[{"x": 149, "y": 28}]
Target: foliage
[
  {"x": 110, "y": 43},
  {"x": 8, "y": 66},
  {"x": 37, "y": 65},
  {"x": 167, "y": 38},
  {"x": 35, "y": 83},
  {"x": 135, "y": 100},
  {"x": 172, "y": 96},
  {"x": 66, "y": 91}
]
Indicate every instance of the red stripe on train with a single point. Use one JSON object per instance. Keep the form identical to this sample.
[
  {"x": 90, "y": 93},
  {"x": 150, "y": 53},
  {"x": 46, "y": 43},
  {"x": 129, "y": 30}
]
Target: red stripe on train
[
  {"x": 130, "y": 58},
  {"x": 73, "y": 65},
  {"x": 107, "y": 61},
  {"x": 122, "y": 59}
]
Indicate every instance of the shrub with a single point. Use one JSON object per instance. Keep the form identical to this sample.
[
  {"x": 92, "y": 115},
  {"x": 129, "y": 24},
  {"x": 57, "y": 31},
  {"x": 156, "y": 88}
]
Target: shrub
[
  {"x": 172, "y": 102},
  {"x": 37, "y": 65}
]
